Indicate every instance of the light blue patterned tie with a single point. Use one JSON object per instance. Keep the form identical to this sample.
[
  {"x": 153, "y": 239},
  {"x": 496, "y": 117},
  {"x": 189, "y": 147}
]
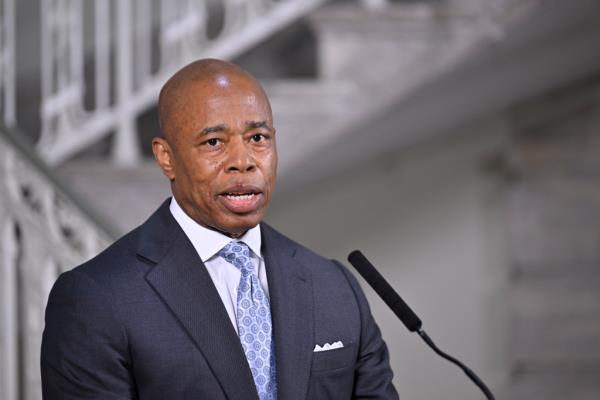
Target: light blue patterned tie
[{"x": 253, "y": 321}]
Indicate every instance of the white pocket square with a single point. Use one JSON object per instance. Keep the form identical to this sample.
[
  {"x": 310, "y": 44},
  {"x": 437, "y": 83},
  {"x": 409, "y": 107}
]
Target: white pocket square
[{"x": 327, "y": 346}]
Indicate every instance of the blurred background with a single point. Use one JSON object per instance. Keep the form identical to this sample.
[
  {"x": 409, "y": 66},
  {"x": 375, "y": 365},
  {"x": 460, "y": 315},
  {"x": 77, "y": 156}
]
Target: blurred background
[{"x": 455, "y": 142}]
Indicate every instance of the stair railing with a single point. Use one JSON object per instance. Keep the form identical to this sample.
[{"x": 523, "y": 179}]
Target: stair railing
[
  {"x": 43, "y": 232},
  {"x": 133, "y": 46}
]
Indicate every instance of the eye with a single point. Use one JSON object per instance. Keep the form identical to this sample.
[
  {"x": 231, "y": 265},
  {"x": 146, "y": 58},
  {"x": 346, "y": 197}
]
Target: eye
[
  {"x": 258, "y": 137},
  {"x": 212, "y": 142}
]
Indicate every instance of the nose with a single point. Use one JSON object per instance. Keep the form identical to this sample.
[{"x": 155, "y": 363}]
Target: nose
[{"x": 239, "y": 157}]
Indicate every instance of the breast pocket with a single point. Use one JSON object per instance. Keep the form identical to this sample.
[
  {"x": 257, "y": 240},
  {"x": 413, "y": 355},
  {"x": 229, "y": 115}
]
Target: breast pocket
[
  {"x": 332, "y": 374},
  {"x": 330, "y": 360}
]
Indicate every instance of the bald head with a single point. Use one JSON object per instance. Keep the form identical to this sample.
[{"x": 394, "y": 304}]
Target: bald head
[
  {"x": 218, "y": 145},
  {"x": 197, "y": 83}
]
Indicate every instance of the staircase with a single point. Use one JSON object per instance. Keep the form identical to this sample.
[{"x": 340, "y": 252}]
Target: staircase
[{"x": 370, "y": 60}]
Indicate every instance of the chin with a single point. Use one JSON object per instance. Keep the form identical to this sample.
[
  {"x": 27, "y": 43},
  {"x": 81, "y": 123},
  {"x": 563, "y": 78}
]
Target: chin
[{"x": 239, "y": 227}]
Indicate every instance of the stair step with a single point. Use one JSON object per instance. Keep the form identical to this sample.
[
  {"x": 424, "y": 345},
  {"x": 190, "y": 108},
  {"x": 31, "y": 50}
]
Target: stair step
[
  {"x": 292, "y": 96},
  {"x": 359, "y": 43},
  {"x": 124, "y": 196}
]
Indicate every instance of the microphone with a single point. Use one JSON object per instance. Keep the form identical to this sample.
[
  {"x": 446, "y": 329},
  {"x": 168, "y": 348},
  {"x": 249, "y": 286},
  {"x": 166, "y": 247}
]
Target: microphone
[
  {"x": 385, "y": 291},
  {"x": 405, "y": 314}
]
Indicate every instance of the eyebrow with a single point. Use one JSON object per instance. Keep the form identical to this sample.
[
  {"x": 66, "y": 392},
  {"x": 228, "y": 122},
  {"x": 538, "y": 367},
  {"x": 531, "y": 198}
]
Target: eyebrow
[
  {"x": 213, "y": 129},
  {"x": 222, "y": 127},
  {"x": 258, "y": 124}
]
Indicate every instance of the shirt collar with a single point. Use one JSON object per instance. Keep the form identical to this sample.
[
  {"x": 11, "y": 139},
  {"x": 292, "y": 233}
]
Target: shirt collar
[{"x": 208, "y": 242}]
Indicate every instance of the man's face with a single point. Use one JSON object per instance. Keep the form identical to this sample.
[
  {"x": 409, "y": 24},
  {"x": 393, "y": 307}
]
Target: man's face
[{"x": 220, "y": 153}]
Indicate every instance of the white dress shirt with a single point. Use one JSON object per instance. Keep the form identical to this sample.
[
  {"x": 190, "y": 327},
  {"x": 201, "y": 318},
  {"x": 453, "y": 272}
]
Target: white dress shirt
[{"x": 225, "y": 276}]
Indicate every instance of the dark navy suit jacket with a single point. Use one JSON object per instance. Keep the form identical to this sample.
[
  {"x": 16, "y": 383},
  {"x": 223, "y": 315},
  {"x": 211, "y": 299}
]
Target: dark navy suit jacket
[{"x": 143, "y": 320}]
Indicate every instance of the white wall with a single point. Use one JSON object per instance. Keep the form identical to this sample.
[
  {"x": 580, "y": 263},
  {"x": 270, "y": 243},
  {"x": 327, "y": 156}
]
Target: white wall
[{"x": 431, "y": 219}]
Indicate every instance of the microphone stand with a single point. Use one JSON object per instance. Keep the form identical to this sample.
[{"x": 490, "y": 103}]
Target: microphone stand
[
  {"x": 405, "y": 313},
  {"x": 474, "y": 378}
]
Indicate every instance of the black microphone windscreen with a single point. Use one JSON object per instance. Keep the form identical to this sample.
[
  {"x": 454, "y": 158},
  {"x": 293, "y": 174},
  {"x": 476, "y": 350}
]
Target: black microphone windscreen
[{"x": 385, "y": 291}]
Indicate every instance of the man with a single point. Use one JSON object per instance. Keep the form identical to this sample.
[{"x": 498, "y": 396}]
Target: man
[{"x": 203, "y": 301}]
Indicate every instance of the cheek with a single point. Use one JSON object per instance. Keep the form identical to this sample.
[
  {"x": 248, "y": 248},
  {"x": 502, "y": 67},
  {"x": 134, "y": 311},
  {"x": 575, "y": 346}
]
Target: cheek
[
  {"x": 216, "y": 166},
  {"x": 272, "y": 167},
  {"x": 207, "y": 170},
  {"x": 203, "y": 196},
  {"x": 206, "y": 178}
]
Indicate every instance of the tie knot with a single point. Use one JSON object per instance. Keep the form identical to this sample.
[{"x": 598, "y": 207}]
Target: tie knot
[{"x": 238, "y": 254}]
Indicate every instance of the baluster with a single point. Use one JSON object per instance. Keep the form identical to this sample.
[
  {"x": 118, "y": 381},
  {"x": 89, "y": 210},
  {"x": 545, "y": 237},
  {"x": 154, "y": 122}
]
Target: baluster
[
  {"x": 143, "y": 41},
  {"x": 166, "y": 51},
  {"x": 236, "y": 16},
  {"x": 62, "y": 75},
  {"x": 183, "y": 34},
  {"x": 194, "y": 38},
  {"x": 7, "y": 57},
  {"x": 47, "y": 43},
  {"x": 125, "y": 149},
  {"x": 76, "y": 76},
  {"x": 102, "y": 53},
  {"x": 8, "y": 309}
]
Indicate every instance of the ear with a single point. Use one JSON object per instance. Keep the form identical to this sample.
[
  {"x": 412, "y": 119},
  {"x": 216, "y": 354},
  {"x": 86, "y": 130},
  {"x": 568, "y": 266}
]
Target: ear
[{"x": 164, "y": 156}]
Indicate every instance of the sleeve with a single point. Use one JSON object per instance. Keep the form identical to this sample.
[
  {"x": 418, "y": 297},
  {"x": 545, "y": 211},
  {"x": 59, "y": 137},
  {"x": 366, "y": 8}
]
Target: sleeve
[
  {"x": 84, "y": 345},
  {"x": 373, "y": 374}
]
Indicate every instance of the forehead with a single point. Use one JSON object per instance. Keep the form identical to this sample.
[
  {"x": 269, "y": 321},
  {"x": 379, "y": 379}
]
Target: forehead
[
  {"x": 221, "y": 100},
  {"x": 230, "y": 101}
]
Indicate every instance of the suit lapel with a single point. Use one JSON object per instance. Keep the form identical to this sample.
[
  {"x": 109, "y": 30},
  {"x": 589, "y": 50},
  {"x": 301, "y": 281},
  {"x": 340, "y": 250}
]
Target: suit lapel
[
  {"x": 181, "y": 280},
  {"x": 290, "y": 291}
]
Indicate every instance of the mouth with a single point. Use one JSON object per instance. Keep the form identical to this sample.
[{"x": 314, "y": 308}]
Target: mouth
[{"x": 241, "y": 200}]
